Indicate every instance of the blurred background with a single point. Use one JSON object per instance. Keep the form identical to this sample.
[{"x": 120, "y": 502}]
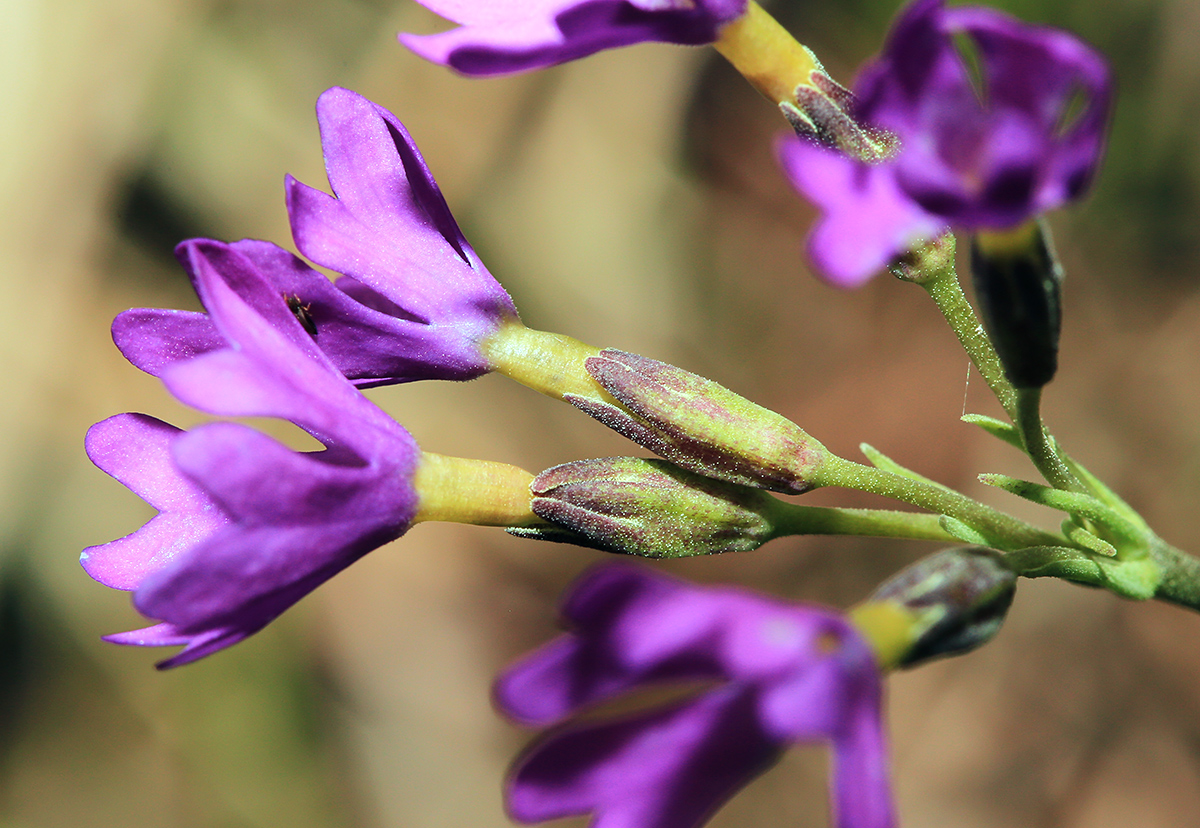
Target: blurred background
[{"x": 630, "y": 200}]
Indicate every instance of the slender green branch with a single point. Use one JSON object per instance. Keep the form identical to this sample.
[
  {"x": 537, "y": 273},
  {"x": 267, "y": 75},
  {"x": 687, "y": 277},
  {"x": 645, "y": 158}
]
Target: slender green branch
[
  {"x": 1180, "y": 575},
  {"x": 1002, "y": 531},
  {"x": 944, "y": 288},
  {"x": 794, "y": 519},
  {"x": 1042, "y": 450}
]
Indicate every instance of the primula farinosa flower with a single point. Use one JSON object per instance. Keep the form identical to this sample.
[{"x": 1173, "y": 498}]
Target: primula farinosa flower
[
  {"x": 389, "y": 230},
  {"x": 780, "y": 673},
  {"x": 246, "y": 526},
  {"x": 415, "y": 302},
  {"x": 984, "y": 153},
  {"x": 497, "y": 37}
]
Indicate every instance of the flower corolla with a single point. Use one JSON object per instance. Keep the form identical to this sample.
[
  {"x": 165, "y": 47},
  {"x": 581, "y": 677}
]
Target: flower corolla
[
  {"x": 987, "y": 139},
  {"x": 770, "y": 674}
]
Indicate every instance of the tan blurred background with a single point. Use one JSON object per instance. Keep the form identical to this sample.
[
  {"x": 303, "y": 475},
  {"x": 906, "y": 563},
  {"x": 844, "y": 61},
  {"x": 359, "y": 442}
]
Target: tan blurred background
[{"x": 630, "y": 200}]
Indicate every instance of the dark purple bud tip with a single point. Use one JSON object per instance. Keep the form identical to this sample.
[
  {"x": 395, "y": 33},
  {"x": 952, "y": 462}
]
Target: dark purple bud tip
[
  {"x": 702, "y": 426},
  {"x": 961, "y": 596},
  {"x": 1018, "y": 282},
  {"x": 651, "y": 508}
]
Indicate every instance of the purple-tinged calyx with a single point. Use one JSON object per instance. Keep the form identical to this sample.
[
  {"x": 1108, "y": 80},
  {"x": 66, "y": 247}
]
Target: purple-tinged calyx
[
  {"x": 248, "y": 526},
  {"x": 499, "y": 37},
  {"x": 984, "y": 153},
  {"x": 775, "y": 673},
  {"x": 649, "y": 508},
  {"x": 701, "y": 425}
]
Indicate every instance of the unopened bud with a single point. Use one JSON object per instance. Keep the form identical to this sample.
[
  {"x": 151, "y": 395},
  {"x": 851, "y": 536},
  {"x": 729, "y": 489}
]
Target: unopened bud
[
  {"x": 1018, "y": 282},
  {"x": 702, "y": 426},
  {"x": 958, "y": 597},
  {"x": 649, "y": 508}
]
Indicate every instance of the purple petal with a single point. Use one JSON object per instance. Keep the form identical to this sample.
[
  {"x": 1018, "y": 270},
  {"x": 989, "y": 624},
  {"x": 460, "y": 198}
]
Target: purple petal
[
  {"x": 167, "y": 635},
  {"x": 272, "y": 368},
  {"x": 370, "y": 339},
  {"x": 260, "y": 481},
  {"x": 866, "y": 221},
  {"x": 245, "y": 577},
  {"x": 135, "y": 449},
  {"x": 389, "y": 227},
  {"x": 504, "y": 37},
  {"x": 860, "y": 779},
  {"x": 635, "y": 627},
  {"x": 669, "y": 769},
  {"x": 153, "y": 338}
]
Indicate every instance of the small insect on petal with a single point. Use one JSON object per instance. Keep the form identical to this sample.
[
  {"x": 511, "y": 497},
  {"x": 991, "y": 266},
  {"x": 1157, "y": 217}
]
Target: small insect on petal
[{"x": 302, "y": 311}]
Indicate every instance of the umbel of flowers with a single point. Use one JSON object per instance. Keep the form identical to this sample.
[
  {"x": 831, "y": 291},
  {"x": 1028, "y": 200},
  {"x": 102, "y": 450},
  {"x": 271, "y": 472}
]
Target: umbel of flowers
[{"x": 922, "y": 148}]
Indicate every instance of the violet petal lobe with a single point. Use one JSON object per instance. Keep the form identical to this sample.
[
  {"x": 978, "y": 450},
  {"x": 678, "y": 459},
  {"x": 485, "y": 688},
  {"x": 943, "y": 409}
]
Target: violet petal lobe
[
  {"x": 273, "y": 368},
  {"x": 505, "y": 36},
  {"x": 770, "y": 674},
  {"x": 668, "y": 769},
  {"x": 369, "y": 339},
  {"x": 153, "y": 338},
  {"x": 866, "y": 219},
  {"x": 135, "y": 449},
  {"x": 388, "y": 227}
]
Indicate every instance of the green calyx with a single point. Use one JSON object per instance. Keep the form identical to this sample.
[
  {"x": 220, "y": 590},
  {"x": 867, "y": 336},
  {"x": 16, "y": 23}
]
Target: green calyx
[{"x": 700, "y": 425}]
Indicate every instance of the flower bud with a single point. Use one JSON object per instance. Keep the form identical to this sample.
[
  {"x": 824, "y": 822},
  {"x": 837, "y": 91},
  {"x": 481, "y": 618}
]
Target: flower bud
[
  {"x": 1018, "y": 282},
  {"x": 702, "y": 426},
  {"x": 649, "y": 508},
  {"x": 960, "y": 597}
]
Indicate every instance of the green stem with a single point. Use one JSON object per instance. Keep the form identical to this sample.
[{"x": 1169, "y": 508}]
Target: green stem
[
  {"x": 1002, "y": 531},
  {"x": 944, "y": 288},
  {"x": 1181, "y": 575},
  {"x": 794, "y": 519},
  {"x": 1041, "y": 449}
]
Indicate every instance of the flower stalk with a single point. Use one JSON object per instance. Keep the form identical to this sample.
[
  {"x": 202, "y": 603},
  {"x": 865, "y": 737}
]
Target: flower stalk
[
  {"x": 942, "y": 284},
  {"x": 477, "y": 492},
  {"x": 1002, "y": 531},
  {"x": 767, "y": 55}
]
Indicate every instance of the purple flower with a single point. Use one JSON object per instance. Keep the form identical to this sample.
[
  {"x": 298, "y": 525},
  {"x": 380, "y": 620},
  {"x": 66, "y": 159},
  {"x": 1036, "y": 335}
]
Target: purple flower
[
  {"x": 497, "y": 37},
  {"x": 1026, "y": 140},
  {"x": 779, "y": 673},
  {"x": 415, "y": 302},
  {"x": 246, "y": 527}
]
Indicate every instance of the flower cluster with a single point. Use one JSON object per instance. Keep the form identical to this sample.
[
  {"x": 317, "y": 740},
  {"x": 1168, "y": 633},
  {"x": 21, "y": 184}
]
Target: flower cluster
[{"x": 247, "y": 526}]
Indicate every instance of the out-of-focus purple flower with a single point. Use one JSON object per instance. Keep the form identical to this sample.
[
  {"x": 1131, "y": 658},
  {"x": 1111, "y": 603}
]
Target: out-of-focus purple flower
[
  {"x": 780, "y": 673},
  {"x": 982, "y": 153},
  {"x": 497, "y": 37},
  {"x": 246, "y": 526},
  {"x": 415, "y": 301}
]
